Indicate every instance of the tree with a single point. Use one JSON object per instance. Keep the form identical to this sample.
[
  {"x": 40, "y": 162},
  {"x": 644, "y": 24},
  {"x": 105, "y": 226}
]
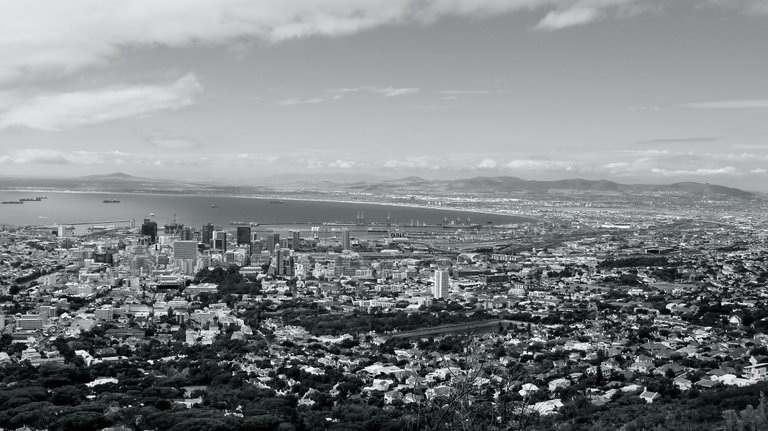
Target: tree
[
  {"x": 749, "y": 419},
  {"x": 483, "y": 398}
]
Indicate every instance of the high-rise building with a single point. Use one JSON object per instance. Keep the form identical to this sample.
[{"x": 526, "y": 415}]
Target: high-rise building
[
  {"x": 149, "y": 228},
  {"x": 207, "y": 236},
  {"x": 256, "y": 247},
  {"x": 295, "y": 240},
  {"x": 442, "y": 284},
  {"x": 186, "y": 234},
  {"x": 273, "y": 239},
  {"x": 389, "y": 220},
  {"x": 219, "y": 241},
  {"x": 284, "y": 262},
  {"x": 345, "y": 239},
  {"x": 185, "y": 250},
  {"x": 243, "y": 235}
]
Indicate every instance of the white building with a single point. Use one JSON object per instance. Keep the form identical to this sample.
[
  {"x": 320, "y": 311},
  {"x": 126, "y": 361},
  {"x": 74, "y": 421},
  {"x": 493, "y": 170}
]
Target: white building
[{"x": 442, "y": 284}]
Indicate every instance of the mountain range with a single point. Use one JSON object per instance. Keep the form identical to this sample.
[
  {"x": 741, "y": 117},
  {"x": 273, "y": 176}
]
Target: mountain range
[{"x": 121, "y": 182}]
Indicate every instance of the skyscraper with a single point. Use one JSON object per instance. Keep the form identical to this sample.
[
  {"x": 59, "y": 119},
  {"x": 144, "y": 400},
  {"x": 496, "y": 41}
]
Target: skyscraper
[
  {"x": 442, "y": 284},
  {"x": 185, "y": 250},
  {"x": 219, "y": 241},
  {"x": 186, "y": 234},
  {"x": 273, "y": 239},
  {"x": 296, "y": 239},
  {"x": 345, "y": 239},
  {"x": 256, "y": 247},
  {"x": 243, "y": 235},
  {"x": 207, "y": 234},
  {"x": 149, "y": 228}
]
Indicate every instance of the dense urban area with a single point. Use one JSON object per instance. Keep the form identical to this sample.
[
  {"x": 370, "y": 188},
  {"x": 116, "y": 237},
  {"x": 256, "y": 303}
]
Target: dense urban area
[{"x": 602, "y": 312}]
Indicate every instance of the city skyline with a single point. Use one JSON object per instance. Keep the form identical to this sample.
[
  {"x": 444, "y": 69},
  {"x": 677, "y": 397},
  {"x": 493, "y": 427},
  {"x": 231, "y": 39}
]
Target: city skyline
[{"x": 627, "y": 90}]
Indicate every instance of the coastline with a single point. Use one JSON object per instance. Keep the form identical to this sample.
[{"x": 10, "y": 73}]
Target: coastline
[{"x": 522, "y": 218}]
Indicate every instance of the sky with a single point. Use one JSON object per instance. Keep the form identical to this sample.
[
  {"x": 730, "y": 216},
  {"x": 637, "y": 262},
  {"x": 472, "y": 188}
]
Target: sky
[{"x": 653, "y": 91}]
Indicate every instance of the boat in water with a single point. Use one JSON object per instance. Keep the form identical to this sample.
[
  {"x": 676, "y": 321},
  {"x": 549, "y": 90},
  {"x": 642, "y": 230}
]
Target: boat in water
[
  {"x": 11, "y": 202},
  {"x": 111, "y": 201},
  {"x": 277, "y": 201}
]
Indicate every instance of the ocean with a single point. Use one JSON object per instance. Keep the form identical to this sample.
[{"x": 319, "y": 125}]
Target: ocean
[{"x": 195, "y": 210}]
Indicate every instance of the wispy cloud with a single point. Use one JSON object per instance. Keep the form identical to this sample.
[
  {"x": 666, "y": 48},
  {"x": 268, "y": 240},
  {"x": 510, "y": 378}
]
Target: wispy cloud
[
  {"x": 300, "y": 101},
  {"x": 45, "y": 156},
  {"x": 464, "y": 92},
  {"x": 727, "y": 104},
  {"x": 381, "y": 91},
  {"x": 169, "y": 140},
  {"x": 560, "y": 19},
  {"x": 62, "y": 111},
  {"x": 687, "y": 140},
  {"x": 43, "y": 38}
]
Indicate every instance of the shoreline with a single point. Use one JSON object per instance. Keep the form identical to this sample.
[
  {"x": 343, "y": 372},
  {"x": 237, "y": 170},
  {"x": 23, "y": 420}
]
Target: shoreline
[{"x": 521, "y": 218}]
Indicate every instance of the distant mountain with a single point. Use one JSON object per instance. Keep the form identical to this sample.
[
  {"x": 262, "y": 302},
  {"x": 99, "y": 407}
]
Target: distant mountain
[
  {"x": 122, "y": 182},
  {"x": 117, "y": 176},
  {"x": 509, "y": 184}
]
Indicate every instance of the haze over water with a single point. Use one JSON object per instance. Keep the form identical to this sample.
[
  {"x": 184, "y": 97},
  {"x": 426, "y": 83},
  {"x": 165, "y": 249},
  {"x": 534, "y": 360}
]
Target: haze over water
[{"x": 64, "y": 208}]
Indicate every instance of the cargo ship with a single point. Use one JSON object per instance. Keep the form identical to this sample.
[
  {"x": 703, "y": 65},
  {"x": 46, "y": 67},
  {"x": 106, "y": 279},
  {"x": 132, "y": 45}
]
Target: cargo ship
[
  {"x": 11, "y": 202},
  {"x": 111, "y": 201}
]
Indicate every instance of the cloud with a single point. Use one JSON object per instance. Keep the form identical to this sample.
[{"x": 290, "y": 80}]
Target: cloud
[
  {"x": 44, "y": 38},
  {"x": 560, "y": 19},
  {"x": 464, "y": 92},
  {"x": 55, "y": 157},
  {"x": 44, "y": 156},
  {"x": 727, "y": 104},
  {"x": 487, "y": 164},
  {"x": 690, "y": 140},
  {"x": 541, "y": 165},
  {"x": 726, "y": 170},
  {"x": 68, "y": 110},
  {"x": 299, "y": 101},
  {"x": 172, "y": 141},
  {"x": 381, "y": 91},
  {"x": 392, "y": 92}
]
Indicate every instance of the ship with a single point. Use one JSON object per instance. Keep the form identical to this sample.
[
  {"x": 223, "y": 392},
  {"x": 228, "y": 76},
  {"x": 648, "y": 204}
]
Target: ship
[
  {"x": 30, "y": 199},
  {"x": 277, "y": 201},
  {"x": 111, "y": 201},
  {"x": 11, "y": 202},
  {"x": 214, "y": 206}
]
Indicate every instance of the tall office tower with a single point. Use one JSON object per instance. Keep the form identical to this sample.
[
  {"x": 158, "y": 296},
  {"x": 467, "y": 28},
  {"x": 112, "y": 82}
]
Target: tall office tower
[
  {"x": 360, "y": 218},
  {"x": 284, "y": 262},
  {"x": 219, "y": 240},
  {"x": 207, "y": 234},
  {"x": 345, "y": 239},
  {"x": 273, "y": 239},
  {"x": 256, "y": 247},
  {"x": 442, "y": 284},
  {"x": 243, "y": 235},
  {"x": 149, "y": 228},
  {"x": 186, "y": 234},
  {"x": 296, "y": 239},
  {"x": 389, "y": 220},
  {"x": 185, "y": 250}
]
